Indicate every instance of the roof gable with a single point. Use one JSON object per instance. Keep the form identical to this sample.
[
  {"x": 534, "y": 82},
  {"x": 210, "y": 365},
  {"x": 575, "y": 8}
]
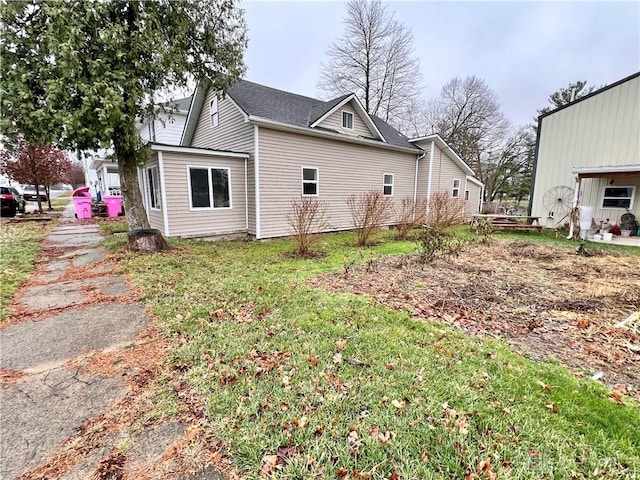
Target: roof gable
[
  {"x": 449, "y": 152},
  {"x": 260, "y": 103}
]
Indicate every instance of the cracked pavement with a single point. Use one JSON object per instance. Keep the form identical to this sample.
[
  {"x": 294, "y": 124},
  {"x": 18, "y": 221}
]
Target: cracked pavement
[{"x": 59, "y": 418}]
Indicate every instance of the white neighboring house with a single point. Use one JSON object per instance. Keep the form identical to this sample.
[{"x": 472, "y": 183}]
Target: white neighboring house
[
  {"x": 101, "y": 171},
  {"x": 588, "y": 152}
]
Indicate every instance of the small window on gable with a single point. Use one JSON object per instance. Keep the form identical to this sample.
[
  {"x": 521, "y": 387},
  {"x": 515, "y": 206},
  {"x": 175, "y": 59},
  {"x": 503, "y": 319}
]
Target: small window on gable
[
  {"x": 309, "y": 181},
  {"x": 213, "y": 111},
  {"x": 466, "y": 194},
  {"x": 387, "y": 185},
  {"x": 455, "y": 193},
  {"x": 618, "y": 197},
  {"x": 153, "y": 188},
  {"x": 347, "y": 120}
]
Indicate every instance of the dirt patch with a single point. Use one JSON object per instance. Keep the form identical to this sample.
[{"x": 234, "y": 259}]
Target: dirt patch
[{"x": 545, "y": 300}]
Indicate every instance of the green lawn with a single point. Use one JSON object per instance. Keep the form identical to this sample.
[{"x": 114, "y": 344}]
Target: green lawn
[
  {"x": 19, "y": 249},
  {"x": 340, "y": 388}
]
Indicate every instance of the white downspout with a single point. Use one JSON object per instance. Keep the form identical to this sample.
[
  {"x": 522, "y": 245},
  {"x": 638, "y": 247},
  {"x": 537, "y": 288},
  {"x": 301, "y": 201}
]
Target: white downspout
[
  {"x": 246, "y": 195},
  {"x": 415, "y": 184},
  {"x": 163, "y": 189},
  {"x": 433, "y": 148},
  {"x": 256, "y": 166}
]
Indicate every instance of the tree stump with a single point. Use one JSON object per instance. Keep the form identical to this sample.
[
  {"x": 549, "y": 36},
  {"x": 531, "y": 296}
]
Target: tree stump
[{"x": 148, "y": 240}]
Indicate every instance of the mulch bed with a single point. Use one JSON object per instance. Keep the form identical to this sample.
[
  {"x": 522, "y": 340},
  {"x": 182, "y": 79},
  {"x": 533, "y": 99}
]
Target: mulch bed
[{"x": 544, "y": 300}]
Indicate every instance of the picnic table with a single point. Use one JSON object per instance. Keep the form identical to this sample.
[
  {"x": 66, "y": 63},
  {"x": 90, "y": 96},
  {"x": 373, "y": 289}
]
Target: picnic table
[{"x": 508, "y": 222}]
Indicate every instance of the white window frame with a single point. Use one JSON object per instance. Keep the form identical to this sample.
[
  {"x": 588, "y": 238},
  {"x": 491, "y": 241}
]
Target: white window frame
[
  {"x": 315, "y": 182},
  {"x": 352, "y": 119},
  {"x": 384, "y": 184},
  {"x": 211, "y": 206},
  {"x": 455, "y": 191},
  {"x": 213, "y": 112},
  {"x": 152, "y": 180},
  {"x": 631, "y": 199}
]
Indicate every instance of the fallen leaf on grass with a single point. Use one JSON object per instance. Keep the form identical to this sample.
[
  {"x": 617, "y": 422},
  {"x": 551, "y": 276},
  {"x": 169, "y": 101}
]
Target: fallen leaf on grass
[
  {"x": 552, "y": 408},
  {"x": 397, "y": 404},
  {"x": 269, "y": 462},
  {"x": 341, "y": 343},
  {"x": 548, "y": 388},
  {"x": 378, "y": 435},
  {"x": 616, "y": 397},
  {"x": 337, "y": 358}
]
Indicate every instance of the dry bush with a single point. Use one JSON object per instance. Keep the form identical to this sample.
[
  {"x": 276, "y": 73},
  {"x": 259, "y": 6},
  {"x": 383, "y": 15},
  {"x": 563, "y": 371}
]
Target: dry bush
[
  {"x": 444, "y": 211},
  {"x": 411, "y": 215},
  {"x": 369, "y": 211},
  {"x": 306, "y": 217}
]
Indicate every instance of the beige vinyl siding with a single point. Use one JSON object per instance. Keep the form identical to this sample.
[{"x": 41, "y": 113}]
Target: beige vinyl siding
[
  {"x": 445, "y": 170},
  {"x": 343, "y": 169},
  {"x": 155, "y": 216},
  {"x": 232, "y": 132},
  {"x": 334, "y": 122},
  {"x": 472, "y": 205},
  {"x": 599, "y": 131},
  {"x": 186, "y": 222}
]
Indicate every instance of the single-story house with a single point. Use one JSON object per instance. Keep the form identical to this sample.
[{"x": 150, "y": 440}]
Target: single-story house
[
  {"x": 588, "y": 154},
  {"x": 246, "y": 155}
]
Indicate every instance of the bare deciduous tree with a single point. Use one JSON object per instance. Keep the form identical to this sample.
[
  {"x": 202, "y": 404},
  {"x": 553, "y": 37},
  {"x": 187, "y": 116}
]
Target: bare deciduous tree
[
  {"x": 375, "y": 60},
  {"x": 369, "y": 211},
  {"x": 412, "y": 214},
  {"x": 467, "y": 116},
  {"x": 307, "y": 216}
]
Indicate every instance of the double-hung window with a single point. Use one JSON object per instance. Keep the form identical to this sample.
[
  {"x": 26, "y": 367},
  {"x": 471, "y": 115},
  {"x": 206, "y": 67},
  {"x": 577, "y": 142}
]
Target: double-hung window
[
  {"x": 347, "y": 120},
  {"x": 153, "y": 188},
  {"x": 209, "y": 188},
  {"x": 618, "y": 197},
  {"x": 455, "y": 193},
  {"x": 310, "y": 181},
  {"x": 213, "y": 111},
  {"x": 387, "y": 185}
]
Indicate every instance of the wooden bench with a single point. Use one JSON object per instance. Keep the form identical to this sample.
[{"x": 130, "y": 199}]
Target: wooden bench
[{"x": 515, "y": 226}]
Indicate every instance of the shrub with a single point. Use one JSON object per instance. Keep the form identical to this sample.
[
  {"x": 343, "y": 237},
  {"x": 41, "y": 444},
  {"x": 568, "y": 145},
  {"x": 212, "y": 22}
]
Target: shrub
[
  {"x": 411, "y": 215},
  {"x": 444, "y": 211},
  {"x": 306, "y": 217},
  {"x": 433, "y": 242},
  {"x": 369, "y": 211}
]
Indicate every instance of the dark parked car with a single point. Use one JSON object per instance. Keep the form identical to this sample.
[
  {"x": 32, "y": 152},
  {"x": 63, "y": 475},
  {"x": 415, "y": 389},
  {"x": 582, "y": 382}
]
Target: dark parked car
[
  {"x": 11, "y": 202},
  {"x": 29, "y": 193}
]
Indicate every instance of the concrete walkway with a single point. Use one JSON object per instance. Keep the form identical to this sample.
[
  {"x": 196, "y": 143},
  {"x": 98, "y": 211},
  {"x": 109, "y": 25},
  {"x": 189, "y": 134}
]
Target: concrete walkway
[{"x": 60, "y": 415}]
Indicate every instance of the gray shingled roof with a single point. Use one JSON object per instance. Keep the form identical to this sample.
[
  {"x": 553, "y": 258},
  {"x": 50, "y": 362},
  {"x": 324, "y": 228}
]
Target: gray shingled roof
[
  {"x": 182, "y": 103},
  {"x": 297, "y": 110}
]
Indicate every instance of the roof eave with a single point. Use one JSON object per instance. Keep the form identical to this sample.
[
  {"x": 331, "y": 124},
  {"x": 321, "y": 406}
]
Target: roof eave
[
  {"x": 607, "y": 171},
  {"x": 260, "y": 121},
  {"x": 452, "y": 153}
]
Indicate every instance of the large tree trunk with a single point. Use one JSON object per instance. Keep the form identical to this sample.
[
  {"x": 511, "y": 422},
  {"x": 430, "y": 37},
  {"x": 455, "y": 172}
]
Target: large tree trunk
[{"x": 133, "y": 204}]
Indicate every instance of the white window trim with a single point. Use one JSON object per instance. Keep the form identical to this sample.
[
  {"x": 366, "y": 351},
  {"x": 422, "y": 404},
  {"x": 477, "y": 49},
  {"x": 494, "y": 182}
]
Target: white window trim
[
  {"x": 214, "y": 113},
  {"x": 631, "y": 200},
  {"x": 317, "y": 181},
  {"x": 158, "y": 194},
  {"x": 393, "y": 180},
  {"x": 352, "y": 119},
  {"x": 455, "y": 191},
  {"x": 211, "y": 207}
]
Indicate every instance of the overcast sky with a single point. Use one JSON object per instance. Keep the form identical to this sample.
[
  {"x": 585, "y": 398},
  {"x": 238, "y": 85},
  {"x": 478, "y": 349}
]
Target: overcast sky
[{"x": 523, "y": 50}]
